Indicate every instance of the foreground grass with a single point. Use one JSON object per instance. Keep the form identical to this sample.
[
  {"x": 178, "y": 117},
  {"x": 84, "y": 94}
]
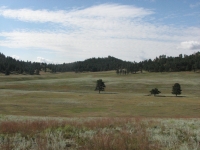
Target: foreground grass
[
  {"x": 98, "y": 133},
  {"x": 72, "y": 94}
]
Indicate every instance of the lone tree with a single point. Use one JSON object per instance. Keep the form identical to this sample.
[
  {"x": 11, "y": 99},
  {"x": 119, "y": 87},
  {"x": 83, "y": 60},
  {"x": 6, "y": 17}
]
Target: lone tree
[
  {"x": 176, "y": 89},
  {"x": 155, "y": 91},
  {"x": 100, "y": 85}
]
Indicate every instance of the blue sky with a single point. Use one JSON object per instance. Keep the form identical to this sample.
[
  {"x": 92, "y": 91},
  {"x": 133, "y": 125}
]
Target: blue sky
[{"x": 67, "y": 30}]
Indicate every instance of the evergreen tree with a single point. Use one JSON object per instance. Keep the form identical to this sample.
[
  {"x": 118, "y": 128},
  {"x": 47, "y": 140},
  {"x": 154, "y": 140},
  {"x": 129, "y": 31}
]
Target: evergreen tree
[
  {"x": 176, "y": 89},
  {"x": 100, "y": 86},
  {"x": 117, "y": 71},
  {"x": 7, "y": 72},
  {"x": 161, "y": 63},
  {"x": 37, "y": 72},
  {"x": 31, "y": 71},
  {"x": 155, "y": 91}
]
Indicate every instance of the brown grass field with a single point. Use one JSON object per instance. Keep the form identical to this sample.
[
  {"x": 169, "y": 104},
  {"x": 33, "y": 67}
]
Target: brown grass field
[{"x": 73, "y": 95}]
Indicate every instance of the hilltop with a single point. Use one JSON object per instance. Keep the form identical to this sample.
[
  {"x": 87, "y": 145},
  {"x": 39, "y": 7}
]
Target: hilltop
[{"x": 9, "y": 65}]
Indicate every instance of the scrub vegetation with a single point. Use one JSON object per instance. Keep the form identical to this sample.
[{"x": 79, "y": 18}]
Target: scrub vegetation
[{"x": 98, "y": 133}]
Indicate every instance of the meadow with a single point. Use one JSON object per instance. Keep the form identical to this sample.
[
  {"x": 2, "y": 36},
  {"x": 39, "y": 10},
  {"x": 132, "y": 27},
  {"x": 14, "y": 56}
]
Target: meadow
[
  {"x": 62, "y": 111},
  {"x": 73, "y": 95}
]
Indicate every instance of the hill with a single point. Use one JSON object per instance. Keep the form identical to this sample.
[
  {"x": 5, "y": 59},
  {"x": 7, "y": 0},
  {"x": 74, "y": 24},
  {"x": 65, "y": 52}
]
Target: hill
[{"x": 9, "y": 65}]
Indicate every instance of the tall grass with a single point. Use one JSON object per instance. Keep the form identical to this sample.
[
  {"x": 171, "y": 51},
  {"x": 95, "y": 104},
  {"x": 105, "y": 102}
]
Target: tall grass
[
  {"x": 100, "y": 134},
  {"x": 130, "y": 136},
  {"x": 104, "y": 133}
]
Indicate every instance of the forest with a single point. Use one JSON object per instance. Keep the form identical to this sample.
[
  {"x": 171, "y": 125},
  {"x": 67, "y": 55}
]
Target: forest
[{"x": 9, "y": 65}]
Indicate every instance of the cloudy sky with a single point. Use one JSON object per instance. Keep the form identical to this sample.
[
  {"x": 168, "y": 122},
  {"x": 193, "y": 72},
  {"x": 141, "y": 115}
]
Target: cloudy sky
[{"x": 61, "y": 31}]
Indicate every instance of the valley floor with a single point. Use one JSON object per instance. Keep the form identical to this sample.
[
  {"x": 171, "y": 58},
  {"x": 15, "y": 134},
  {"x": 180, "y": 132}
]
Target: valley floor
[{"x": 62, "y": 111}]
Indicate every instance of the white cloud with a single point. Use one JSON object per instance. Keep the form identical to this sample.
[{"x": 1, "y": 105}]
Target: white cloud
[
  {"x": 76, "y": 16},
  {"x": 191, "y": 45},
  {"x": 43, "y": 60},
  {"x": 15, "y": 57},
  {"x": 195, "y": 5},
  {"x": 98, "y": 31}
]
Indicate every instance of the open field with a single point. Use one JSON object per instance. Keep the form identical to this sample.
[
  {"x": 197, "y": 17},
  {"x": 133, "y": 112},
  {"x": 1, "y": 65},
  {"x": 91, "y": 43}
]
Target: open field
[
  {"x": 73, "y": 95},
  {"x": 63, "y": 112}
]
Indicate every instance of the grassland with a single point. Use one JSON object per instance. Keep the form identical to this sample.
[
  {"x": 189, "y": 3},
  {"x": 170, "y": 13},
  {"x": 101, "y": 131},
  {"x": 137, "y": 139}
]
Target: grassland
[
  {"x": 73, "y": 95},
  {"x": 63, "y": 112}
]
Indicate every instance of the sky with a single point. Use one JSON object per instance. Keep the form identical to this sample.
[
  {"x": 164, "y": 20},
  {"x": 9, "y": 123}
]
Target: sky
[{"x": 64, "y": 31}]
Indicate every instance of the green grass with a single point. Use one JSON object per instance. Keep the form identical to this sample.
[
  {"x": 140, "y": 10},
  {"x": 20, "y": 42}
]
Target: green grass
[{"x": 72, "y": 94}]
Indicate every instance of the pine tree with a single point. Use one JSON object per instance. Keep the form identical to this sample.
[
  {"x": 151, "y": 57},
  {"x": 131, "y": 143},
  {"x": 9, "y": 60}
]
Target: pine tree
[
  {"x": 117, "y": 71},
  {"x": 176, "y": 89},
  {"x": 7, "y": 71},
  {"x": 155, "y": 91},
  {"x": 37, "y": 72},
  {"x": 100, "y": 86},
  {"x": 31, "y": 71}
]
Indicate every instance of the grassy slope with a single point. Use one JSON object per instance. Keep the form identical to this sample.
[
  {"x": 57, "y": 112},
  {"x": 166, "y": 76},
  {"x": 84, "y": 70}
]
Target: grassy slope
[{"x": 72, "y": 94}]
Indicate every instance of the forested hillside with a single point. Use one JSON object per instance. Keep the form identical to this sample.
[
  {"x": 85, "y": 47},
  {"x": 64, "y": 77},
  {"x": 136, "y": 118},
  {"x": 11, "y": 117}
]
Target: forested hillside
[{"x": 9, "y": 65}]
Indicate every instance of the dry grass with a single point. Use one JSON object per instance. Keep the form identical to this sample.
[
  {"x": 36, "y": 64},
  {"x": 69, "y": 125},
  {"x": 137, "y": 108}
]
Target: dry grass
[
  {"x": 122, "y": 117},
  {"x": 72, "y": 94},
  {"x": 104, "y": 133},
  {"x": 99, "y": 133}
]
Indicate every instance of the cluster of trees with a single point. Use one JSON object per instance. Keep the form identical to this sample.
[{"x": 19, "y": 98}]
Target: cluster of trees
[
  {"x": 162, "y": 63},
  {"x": 10, "y": 65},
  {"x": 168, "y": 64},
  {"x": 176, "y": 89}
]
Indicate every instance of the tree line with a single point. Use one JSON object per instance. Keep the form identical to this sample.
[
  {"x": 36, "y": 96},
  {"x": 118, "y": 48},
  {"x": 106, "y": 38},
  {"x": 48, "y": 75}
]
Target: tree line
[
  {"x": 9, "y": 65},
  {"x": 163, "y": 64}
]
